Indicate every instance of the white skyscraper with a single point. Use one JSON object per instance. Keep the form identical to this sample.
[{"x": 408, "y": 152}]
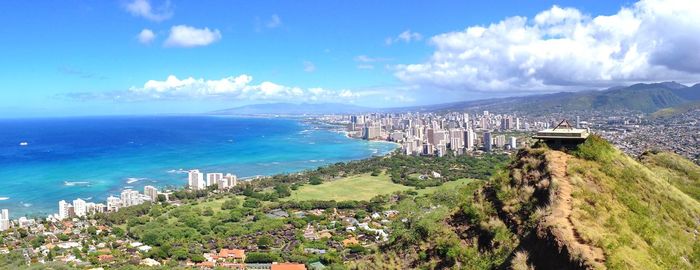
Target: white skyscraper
[
  {"x": 113, "y": 204},
  {"x": 63, "y": 210},
  {"x": 228, "y": 181},
  {"x": 4, "y": 220},
  {"x": 513, "y": 143},
  {"x": 213, "y": 178},
  {"x": 151, "y": 192},
  {"x": 131, "y": 197},
  {"x": 79, "y": 207},
  {"x": 196, "y": 180}
]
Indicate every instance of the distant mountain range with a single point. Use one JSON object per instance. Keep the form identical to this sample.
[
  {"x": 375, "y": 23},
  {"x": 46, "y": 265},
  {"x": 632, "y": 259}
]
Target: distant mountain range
[{"x": 647, "y": 98}]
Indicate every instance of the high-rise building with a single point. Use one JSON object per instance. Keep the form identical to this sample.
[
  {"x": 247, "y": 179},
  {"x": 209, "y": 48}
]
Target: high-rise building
[
  {"x": 63, "y": 210},
  {"x": 469, "y": 137},
  {"x": 113, "y": 204},
  {"x": 500, "y": 141},
  {"x": 213, "y": 178},
  {"x": 513, "y": 143},
  {"x": 131, "y": 197},
  {"x": 487, "y": 141},
  {"x": 79, "y": 207},
  {"x": 228, "y": 181},
  {"x": 151, "y": 192},
  {"x": 456, "y": 139},
  {"x": 4, "y": 220},
  {"x": 195, "y": 180},
  {"x": 372, "y": 132}
]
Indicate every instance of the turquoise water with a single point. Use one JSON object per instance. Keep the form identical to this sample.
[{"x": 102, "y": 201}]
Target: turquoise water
[{"x": 92, "y": 158}]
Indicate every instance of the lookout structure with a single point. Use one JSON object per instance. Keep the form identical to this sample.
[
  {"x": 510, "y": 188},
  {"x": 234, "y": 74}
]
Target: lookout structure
[{"x": 562, "y": 135}]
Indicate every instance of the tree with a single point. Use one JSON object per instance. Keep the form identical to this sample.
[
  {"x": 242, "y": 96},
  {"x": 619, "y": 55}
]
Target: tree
[
  {"x": 232, "y": 203},
  {"x": 162, "y": 198},
  {"x": 265, "y": 242},
  {"x": 119, "y": 232},
  {"x": 315, "y": 180}
]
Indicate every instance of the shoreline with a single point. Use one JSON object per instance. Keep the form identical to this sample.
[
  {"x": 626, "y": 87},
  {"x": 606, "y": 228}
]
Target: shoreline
[{"x": 311, "y": 122}]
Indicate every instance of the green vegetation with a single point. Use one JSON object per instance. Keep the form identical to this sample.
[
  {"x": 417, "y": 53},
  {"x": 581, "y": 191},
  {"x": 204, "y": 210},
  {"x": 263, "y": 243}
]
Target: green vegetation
[
  {"x": 592, "y": 206},
  {"x": 634, "y": 214},
  {"x": 359, "y": 187},
  {"x": 680, "y": 172}
]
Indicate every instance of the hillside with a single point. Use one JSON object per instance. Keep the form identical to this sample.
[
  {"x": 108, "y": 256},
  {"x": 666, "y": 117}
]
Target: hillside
[
  {"x": 647, "y": 98},
  {"x": 588, "y": 208}
]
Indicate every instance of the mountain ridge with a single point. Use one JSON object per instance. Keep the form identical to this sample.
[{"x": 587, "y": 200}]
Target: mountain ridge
[{"x": 644, "y": 97}]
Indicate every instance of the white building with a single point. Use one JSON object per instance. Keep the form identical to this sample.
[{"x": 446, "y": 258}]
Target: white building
[
  {"x": 63, "y": 210},
  {"x": 113, "y": 204},
  {"x": 4, "y": 220},
  {"x": 213, "y": 178},
  {"x": 79, "y": 207},
  {"x": 228, "y": 181},
  {"x": 151, "y": 192},
  {"x": 195, "y": 180},
  {"x": 513, "y": 143}
]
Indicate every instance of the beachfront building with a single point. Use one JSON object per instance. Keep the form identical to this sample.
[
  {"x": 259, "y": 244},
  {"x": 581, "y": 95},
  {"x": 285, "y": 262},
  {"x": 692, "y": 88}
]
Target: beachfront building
[
  {"x": 113, "y": 204},
  {"x": 151, "y": 192},
  {"x": 195, "y": 180},
  {"x": 213, "y": 178},
  {"x": 79, "y": 207},
  {"x": 228, "y": 181},
  {"x": 63, "y": 210},
  {"x": 4, "y": 220}
]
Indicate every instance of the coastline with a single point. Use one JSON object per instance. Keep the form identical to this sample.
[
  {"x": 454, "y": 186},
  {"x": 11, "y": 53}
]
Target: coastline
[{"x": 47, "y": 207}]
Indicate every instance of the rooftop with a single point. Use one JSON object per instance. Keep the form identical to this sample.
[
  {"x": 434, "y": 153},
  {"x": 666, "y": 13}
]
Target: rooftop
[{"x": 563, "y": 130}]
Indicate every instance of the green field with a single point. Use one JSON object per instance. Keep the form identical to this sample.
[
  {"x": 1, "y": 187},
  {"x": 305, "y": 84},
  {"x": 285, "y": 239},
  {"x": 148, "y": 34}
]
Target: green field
[{"x": 359, "y": 187}]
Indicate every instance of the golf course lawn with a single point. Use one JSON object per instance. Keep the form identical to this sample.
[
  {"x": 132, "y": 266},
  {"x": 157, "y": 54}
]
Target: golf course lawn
[
  {"x": 361, "y": 187},
  {"x": 358, "y": 187}
]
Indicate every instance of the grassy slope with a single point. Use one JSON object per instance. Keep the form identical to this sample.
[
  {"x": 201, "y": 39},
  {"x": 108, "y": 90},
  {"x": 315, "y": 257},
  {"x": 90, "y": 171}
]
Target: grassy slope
[
  {"x": 640, "y": 220},
  {"x": 680, "y": 172}
]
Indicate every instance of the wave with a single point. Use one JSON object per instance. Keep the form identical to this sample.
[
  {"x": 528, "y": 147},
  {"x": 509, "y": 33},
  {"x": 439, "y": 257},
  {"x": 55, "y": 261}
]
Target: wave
[
  {"x": 27, "y": 204},
  {"x": 315, "y": 160},
  {"x": 4, "y": 198},
  {"x": 132, "y": 180},
  {"x": 75, "y": 183},
  {"x": 178, "y": 171}
]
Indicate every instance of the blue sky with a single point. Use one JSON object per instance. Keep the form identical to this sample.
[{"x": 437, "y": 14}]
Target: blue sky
[{"x": 86, "y": 57}]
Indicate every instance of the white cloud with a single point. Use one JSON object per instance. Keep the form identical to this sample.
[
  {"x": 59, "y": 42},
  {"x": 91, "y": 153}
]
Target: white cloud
[
  {"x": 561, "y": 48},
  {"x": 146, "y": 36},
  {"x": 236, "y": 87},
  {"x": 143, "y": 8},
  {"x": 274, "y": 21},
  {"x": 367, "y": 62},
  {"x": 309, "y": 67},
  {"x": 405, "y": 36},
  {"x": 188, "y": 36}
]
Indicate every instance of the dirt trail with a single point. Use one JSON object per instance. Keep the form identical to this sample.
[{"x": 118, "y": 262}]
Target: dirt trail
[{"x": 560, "y": 218}]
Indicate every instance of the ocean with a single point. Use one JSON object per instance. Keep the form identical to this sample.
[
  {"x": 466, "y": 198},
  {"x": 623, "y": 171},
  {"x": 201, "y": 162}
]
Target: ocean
[{"x": 43, "y": 161}]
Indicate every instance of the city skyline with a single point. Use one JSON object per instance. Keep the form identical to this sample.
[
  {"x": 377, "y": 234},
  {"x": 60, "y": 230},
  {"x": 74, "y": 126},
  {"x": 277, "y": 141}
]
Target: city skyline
[{"x": 148, "y": 57}]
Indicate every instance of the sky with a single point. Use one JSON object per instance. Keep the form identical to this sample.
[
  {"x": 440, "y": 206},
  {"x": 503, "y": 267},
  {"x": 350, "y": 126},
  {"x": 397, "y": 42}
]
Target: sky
[{"x": 66, "y": 58}]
